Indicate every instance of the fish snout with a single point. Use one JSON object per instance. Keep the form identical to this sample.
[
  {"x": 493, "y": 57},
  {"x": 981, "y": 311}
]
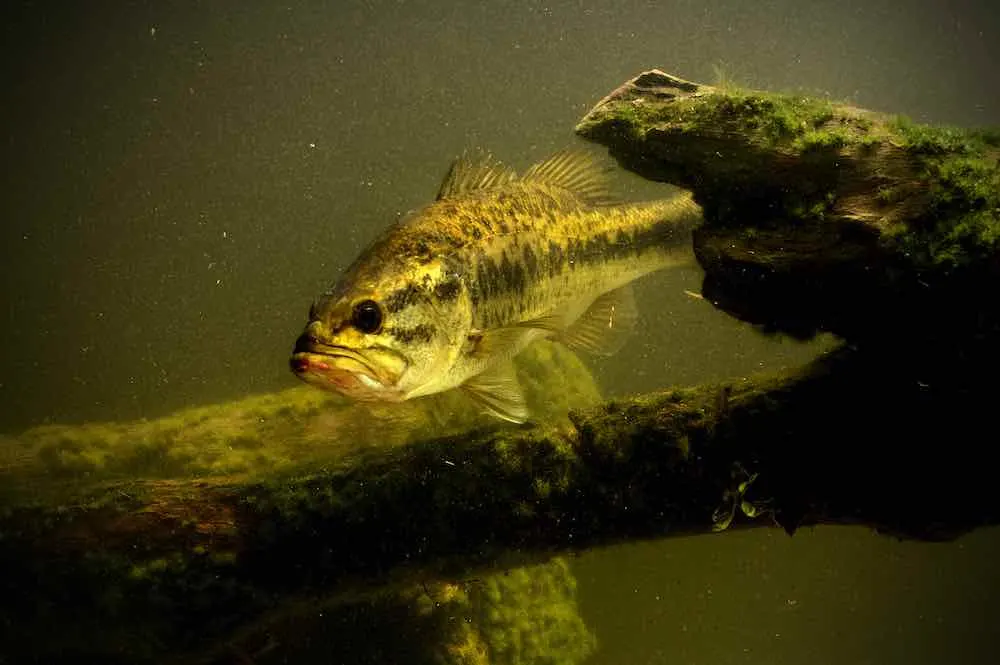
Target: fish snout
[{"x": 305, "y": 343}]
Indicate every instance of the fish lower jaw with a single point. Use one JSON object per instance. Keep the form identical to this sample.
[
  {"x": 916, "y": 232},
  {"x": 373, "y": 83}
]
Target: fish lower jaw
[{"x": 353, "y": 382}]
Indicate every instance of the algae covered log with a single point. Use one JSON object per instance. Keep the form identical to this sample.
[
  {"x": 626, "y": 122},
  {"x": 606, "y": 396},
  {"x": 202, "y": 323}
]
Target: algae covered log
[
  {"x": 178, "y": 566},
  {"x": 120, "y": 540},
  {"x": 824, "y": 216},
  {"x": 522, "y": 615}
]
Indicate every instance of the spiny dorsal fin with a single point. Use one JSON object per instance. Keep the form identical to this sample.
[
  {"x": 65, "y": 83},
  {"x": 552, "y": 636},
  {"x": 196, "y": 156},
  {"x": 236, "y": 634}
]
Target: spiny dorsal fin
[
  {"x": 470, "y": 173},
  {"x": 577, "y": 171}
]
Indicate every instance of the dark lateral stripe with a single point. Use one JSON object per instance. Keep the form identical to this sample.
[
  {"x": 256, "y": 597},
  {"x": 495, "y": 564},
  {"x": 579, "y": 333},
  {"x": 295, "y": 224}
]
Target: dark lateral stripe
[
  {"x": 422, "y": 332},
  {"x": 519, "y": 267}
]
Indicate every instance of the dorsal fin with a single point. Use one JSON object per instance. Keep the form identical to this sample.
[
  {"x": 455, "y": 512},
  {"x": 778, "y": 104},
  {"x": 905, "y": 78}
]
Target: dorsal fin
[
  {"x": 576, "y": 171},
  {"x": 467, "y": 174}
]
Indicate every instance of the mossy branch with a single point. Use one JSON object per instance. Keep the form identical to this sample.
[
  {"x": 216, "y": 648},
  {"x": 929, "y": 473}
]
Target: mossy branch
[
  {"x": 181, "y": 564},
  {"x": 826, "y": 217}
]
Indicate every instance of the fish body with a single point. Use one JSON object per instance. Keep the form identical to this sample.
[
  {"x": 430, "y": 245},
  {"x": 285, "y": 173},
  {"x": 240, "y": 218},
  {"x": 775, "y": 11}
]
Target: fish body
[{"x": 447, "y": 297}]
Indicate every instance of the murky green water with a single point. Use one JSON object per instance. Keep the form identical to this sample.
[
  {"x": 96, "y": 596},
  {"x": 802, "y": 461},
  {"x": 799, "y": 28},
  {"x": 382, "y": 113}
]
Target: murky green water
[{"x": 181, "y": 179}]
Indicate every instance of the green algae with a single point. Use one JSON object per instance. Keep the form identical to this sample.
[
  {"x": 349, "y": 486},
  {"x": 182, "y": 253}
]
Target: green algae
[
  {"x": 960, "y": 221},
  {"x": 516, "y": 616}
]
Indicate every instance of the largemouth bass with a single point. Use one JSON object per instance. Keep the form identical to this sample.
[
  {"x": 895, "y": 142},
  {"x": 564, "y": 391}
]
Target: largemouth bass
[{"x": 448, "y": 296}]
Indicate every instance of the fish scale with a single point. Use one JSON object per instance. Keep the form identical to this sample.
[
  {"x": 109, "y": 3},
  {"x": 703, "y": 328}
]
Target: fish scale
[{"x": 589, "y": 251}]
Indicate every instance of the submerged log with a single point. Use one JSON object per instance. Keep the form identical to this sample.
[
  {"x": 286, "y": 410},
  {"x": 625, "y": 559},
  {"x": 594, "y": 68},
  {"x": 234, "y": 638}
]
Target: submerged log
[
  {"x": 127, "y": 542},
  {"x": 824, "y": 216},
  {"x": 169, "y": 567}
]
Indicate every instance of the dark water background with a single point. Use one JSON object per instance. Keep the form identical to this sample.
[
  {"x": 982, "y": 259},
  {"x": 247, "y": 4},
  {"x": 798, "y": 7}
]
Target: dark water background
[{"x": 179, "y": 179}]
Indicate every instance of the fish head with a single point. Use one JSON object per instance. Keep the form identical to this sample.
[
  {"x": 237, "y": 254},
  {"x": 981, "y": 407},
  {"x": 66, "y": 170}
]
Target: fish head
[{"x": 385, "y": 338}]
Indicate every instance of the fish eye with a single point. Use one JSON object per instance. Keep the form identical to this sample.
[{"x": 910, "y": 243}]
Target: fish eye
[{"x": 367, "y": 317}]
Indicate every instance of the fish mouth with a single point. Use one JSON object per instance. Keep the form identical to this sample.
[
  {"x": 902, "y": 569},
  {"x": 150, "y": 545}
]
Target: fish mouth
[{"x": 339, "y": 369}]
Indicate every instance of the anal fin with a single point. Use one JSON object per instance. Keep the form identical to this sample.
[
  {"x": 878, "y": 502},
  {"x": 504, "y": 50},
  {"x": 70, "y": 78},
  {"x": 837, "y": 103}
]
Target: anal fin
[{"x": 498, "y": 392}]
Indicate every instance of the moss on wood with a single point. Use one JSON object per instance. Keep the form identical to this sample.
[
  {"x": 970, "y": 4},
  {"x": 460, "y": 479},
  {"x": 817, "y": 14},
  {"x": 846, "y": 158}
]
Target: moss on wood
[
  {"x": 170, "y": 567},
  {"x": 823, "y": 216}
]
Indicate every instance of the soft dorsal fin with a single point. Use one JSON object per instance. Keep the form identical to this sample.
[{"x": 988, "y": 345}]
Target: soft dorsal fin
[
  {"x": 467, "y": 174},
  {"x": 576, "y": 171}
]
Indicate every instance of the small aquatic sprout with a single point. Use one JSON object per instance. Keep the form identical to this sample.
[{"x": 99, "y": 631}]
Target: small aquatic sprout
[{"x": 734, "y": 499}]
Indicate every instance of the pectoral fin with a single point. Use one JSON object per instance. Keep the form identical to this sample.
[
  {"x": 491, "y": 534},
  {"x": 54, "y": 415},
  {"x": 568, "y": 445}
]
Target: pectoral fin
[
  {"x": 603, "y": 328},
  {"x": 497, "y": 391},
  {"x": 497, "y": 343}
]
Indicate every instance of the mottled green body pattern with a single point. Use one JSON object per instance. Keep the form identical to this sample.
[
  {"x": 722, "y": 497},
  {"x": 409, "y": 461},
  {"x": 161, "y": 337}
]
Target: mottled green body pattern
[{"x": 496, "y": 262}]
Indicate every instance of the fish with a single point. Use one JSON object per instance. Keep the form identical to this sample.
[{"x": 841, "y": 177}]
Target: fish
[{"x": 449, "y": 295}]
